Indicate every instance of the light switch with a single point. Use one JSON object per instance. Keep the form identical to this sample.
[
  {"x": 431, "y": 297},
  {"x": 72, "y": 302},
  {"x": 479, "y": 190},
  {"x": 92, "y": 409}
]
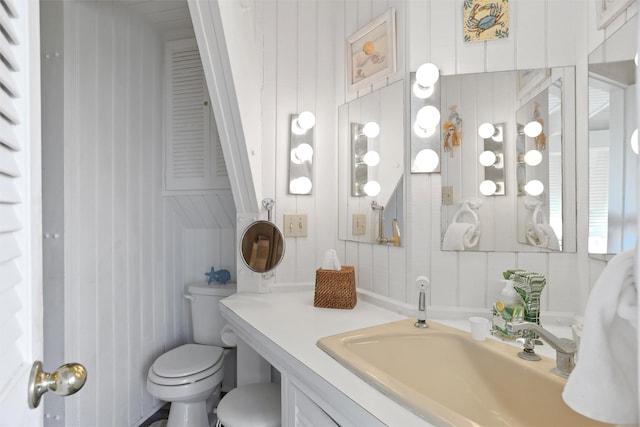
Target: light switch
[
  {"x": 447, "y": 195},
  {"x": 359, "y": 224},
  {"x": 295, "y": 225}
]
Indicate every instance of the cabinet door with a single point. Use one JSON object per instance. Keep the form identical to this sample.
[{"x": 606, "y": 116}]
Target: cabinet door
[
  {"x": 193, "y": 154},
  {"x": 306, "y": 413}
]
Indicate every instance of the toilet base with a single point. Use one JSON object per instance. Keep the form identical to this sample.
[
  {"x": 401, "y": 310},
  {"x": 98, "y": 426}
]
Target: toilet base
[{"x": 192, "y": 414}]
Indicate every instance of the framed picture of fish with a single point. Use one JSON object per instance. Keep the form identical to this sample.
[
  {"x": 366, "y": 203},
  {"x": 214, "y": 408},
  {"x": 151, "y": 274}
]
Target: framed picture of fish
[
  {"x": 485, "y": 20},
  {"x": 371, "y": 52}
]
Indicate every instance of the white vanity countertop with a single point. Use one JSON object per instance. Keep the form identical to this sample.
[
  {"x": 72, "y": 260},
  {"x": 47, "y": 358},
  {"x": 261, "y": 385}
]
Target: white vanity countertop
[
  {"x": 290, "y": 320},
  {"x": 293, "y": 324}
]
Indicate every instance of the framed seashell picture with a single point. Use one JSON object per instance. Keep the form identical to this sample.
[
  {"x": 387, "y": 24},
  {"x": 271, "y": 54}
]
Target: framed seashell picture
[{"x": 371, "y": 52}]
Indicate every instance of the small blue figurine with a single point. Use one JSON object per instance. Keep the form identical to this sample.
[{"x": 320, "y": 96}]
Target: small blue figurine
[{"x": 221, "y": 276}]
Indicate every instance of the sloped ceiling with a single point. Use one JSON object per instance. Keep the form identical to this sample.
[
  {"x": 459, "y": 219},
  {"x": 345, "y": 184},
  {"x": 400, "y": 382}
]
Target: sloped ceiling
[
  {"x": 205, "y": 211},
  {"x": 165, "y": 15},
  {"x": 196, "y": 211}
]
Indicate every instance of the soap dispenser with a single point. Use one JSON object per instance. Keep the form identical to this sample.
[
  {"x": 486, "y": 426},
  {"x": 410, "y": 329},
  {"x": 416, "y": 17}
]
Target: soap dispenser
[{"x": 508, "y": 307}]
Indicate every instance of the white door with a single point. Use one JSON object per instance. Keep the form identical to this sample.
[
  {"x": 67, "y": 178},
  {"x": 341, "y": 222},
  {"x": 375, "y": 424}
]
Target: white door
[{"x": 20, "y": 209}]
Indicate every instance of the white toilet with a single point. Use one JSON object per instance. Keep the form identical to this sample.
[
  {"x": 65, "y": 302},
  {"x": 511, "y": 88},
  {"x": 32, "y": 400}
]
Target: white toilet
[{"x": 190, "y": 376}]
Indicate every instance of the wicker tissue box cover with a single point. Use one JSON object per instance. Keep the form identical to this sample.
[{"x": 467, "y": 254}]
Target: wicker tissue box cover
[{"x": 335, "y": 288}]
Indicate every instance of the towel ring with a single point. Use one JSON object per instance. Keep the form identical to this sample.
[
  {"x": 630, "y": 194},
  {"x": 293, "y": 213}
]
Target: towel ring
[
  {"x": 536, "y": 214},
  {"x": 466, "y": 208}
]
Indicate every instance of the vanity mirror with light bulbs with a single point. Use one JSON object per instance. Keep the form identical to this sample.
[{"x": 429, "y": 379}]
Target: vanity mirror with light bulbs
[
  {"x": 507, "y": 187},
  {"x": 371, "y": 167},
  {"x": 613, "y": 143}
]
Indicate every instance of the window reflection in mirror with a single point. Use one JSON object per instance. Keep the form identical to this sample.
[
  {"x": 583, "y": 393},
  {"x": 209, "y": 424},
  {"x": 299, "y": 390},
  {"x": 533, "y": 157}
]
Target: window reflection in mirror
[
  {"x": 371, "y": 164},
  {"x": 612, "y": 161}
]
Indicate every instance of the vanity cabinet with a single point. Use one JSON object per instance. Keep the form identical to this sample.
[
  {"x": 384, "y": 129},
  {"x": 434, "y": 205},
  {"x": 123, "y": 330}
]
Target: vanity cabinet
[{"x": 316, "y": 390}]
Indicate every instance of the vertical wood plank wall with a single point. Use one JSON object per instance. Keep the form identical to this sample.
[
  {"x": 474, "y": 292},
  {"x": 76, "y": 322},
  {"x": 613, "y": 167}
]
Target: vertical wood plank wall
[
  {"x": 131, "y": 250},
  {"x": 297, "y": 45},
  {"x": 124, "y": 246}
]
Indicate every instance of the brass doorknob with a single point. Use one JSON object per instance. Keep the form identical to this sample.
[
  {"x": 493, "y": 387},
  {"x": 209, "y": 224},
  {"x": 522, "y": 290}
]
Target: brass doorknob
[{"x": 66, "y": 380}]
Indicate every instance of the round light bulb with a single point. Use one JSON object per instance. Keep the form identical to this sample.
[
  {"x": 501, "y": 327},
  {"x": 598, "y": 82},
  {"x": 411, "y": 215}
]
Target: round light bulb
[
  {"x": 497, "y": 135},
  {"x": 306, "y": 120},
  {"x": 371, "y": 158},
  {"x": 296, "y": 129},
  {"x": 488, "y": 187},
  {"x": 422, "y": 92},
  {"x": 372, "y": 188},
  {"x": 634, "y": 141},
  {"x": 487, "y": 158},
  {"x": 428, "y": 117},
  {"x": 533, "y": 129},
  {"x": 301, "y": 185},
  {"x": 534, "y": 187},
  {"x": 486, "y": 130},
  {"x": 427, "y": 160},
  {"x": 427, "y": 74},
  {"x": 304, "y": 152},
  {"x": 371, "y": 129},
  {"x": 423, "y": 133},
  {"x": 533, "y": 157}
]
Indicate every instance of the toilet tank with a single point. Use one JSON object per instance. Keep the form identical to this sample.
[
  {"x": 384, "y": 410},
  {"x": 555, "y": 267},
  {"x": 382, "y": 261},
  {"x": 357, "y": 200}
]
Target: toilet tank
[{"x": 205, "y": 311}]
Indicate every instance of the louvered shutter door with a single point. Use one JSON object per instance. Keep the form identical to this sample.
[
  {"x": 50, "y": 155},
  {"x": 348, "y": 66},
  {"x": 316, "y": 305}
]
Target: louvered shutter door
[
  {"x": 18, "y": 141},
  {"x": 194, "y": 158}
]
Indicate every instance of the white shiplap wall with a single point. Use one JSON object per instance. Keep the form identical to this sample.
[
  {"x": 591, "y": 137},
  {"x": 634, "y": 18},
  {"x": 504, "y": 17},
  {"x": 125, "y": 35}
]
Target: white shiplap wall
[
  {"x": 296, "y": 47},
  {"x": 113, "y": 220},
  {"x": 123, "y": 245},
  {"x": 130, "y": 250}
]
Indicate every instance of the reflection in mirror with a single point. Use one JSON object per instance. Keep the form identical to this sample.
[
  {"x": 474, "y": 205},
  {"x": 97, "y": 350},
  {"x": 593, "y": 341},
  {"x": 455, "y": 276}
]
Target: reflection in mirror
[
  {"x": 262, "y": 246},
  {"x": 371, "y": 158},
  {"x": 612, "y": 160},
  {"x": 492, "y": 159},
  {"x": 363, "y": 157},
  {"x": 494, "y": 101},
  {"x": 425, "y": 120},
  {"x": 539, "y": 168},
  {"x": 301, "y": 152}
]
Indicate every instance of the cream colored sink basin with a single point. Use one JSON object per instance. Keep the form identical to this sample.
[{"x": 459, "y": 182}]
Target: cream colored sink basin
[{"x": 447, "y": 378}]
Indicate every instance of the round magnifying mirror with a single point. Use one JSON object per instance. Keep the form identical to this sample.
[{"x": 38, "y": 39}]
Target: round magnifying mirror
[{"x": 262, "y": 246}]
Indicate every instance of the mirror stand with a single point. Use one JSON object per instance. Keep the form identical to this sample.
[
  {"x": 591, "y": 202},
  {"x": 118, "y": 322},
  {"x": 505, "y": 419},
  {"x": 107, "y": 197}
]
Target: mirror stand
[{"x": 268, "y": 205}]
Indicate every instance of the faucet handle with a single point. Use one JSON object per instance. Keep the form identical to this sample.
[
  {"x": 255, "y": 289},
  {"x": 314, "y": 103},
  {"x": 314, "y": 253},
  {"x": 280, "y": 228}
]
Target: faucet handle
[
  {"x": 422, "y": 283},
  {"x": 528, "y": 352}
]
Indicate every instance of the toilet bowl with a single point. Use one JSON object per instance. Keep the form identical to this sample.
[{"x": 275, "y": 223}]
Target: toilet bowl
[
  {"x": 190, "y": 376},
  {"x": 187, "y": 376}
]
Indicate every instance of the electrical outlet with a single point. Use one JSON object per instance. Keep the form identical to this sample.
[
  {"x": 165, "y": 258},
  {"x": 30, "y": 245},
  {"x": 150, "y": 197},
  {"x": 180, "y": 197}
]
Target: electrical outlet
[
  {"x": 447, "y": 195},
  {"x": 359, "y": 224},
  {"x": 295, "y": 225}
]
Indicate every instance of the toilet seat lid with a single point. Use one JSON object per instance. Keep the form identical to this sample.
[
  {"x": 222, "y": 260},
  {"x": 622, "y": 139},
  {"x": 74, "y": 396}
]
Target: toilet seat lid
[{"x": 187, "y": 360}]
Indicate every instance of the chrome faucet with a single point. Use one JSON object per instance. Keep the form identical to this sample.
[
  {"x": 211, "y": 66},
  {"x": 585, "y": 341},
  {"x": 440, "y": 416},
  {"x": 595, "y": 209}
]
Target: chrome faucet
[
  {"x": 422, "y": 283},
  {"x": 565, "y": 348}
]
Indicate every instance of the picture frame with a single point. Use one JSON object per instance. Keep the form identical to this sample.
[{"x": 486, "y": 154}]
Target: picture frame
[
  {"x": 530, "y": 79},
  {"x": 371, "y": 52},
  {"x": 608, "y": 10}
]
